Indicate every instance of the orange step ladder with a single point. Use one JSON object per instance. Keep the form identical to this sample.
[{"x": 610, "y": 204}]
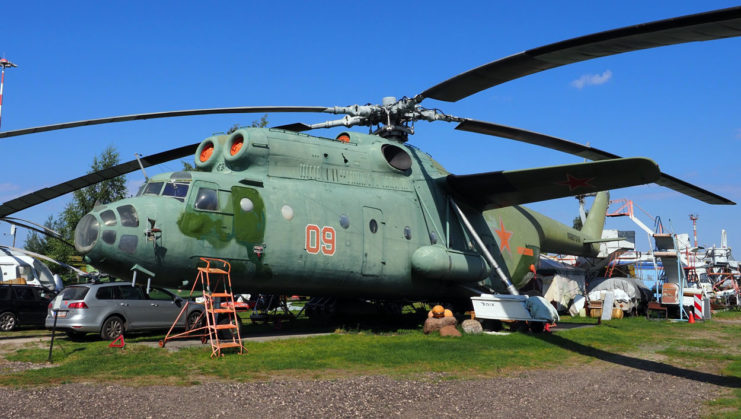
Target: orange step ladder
[{"x": 222, "y": 326}]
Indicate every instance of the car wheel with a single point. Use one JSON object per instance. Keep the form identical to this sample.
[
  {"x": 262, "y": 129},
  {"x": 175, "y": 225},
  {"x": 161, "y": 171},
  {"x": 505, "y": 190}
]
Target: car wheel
[
  {"x": 75, "y": 335},
  {"x": 194, "y": 321},
  {"x": 113, "y": 327},
  {"x": 8, "y": 321}
]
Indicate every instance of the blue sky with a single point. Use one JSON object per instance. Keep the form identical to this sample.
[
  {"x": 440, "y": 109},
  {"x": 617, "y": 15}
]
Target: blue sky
[{"x": 678, "y": 105}]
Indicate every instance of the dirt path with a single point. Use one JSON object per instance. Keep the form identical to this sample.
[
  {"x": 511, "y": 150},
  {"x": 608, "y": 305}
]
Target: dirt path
[
  {"x": 597, "y": 390},
  {"x": 613, "y": 385}
]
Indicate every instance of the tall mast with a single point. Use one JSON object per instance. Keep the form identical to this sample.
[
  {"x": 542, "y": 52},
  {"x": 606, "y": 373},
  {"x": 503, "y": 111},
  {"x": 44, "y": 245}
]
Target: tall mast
[
  {"x": 694, "y": 218},
  {"x": 4, "y": 64}
]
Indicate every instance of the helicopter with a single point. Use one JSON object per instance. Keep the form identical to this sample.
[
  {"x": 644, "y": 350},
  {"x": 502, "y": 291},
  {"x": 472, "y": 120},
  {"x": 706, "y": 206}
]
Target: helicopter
[{"x": 368, "y": 215}]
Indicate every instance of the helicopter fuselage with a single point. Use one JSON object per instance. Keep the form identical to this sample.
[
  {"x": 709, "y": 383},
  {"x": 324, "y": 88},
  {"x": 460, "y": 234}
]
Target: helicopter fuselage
[{"x": 359, "y": 215}]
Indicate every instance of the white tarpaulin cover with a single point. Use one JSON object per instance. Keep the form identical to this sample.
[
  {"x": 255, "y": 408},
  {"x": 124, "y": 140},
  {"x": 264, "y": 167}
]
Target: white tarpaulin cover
[
  {"x": 561, "y": 288},
  {"x": 633, "y": 288}
]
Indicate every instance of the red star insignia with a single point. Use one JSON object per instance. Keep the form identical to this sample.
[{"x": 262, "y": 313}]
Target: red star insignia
[
  {"x": 575, "y": 182},
  {"x": 504, "y": 236}
]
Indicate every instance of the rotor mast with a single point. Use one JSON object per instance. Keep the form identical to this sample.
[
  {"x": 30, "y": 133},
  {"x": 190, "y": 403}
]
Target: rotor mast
[
  {"x": 394, "y": 118},
  {"x": 4, "y": 63}
]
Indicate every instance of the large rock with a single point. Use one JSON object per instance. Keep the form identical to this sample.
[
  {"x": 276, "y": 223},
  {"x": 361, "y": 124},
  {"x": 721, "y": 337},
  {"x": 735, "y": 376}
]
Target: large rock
[
  {"x": 472, "y": 326},
  {"x": 450, "y": 331},
  {"x": 449, "y": 321},
  {"x": 433, "y": 324}
]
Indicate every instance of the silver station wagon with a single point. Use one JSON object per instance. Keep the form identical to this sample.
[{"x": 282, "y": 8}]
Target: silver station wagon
[{"x": 110, "y": 309}]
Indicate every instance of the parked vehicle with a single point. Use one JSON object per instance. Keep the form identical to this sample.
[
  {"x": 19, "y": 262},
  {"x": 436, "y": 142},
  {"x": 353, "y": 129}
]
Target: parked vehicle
[
  {"x": 22, "y": 305},
  {"x": 110, "y": 309}
]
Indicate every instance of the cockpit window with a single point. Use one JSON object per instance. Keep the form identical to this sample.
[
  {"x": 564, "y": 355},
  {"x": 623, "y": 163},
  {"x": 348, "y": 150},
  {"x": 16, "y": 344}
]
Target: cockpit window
[
  {"x": 153, "y": 188},
  {"x": 128, "y": 215},
  {"x": 207, "y": 199},
  {"x": 176, "y": 190}
]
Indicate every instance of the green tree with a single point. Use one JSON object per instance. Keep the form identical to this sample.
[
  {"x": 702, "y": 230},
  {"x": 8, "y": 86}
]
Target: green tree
[
  {"x": 83, "y": 201},
  {"x": 40, "y": 243}
]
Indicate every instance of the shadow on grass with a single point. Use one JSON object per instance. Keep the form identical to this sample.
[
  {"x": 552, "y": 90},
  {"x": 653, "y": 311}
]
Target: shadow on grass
[{"x": 640, "y": 364}]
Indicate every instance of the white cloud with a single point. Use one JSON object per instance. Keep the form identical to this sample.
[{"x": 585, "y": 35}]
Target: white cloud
[
  {"x": 8, "y": 187},
  {"x": 592, "y": 79}
]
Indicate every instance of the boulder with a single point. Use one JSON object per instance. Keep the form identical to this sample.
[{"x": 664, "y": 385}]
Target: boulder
[
  {"x": 472, "y": 326},
  {"x": 450, "y": 331},
  {"x": 449, "y": 321},
  {"x": 432, "y": 324}
]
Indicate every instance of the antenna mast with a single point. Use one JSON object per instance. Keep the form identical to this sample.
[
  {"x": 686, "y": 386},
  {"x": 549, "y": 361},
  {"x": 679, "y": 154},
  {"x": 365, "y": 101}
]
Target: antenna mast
[
  {"x": 694, "y": 218},
  {"x": 4, "y": 64}
]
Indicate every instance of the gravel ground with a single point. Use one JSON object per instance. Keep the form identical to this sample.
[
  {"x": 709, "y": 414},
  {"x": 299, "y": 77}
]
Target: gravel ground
[{"x": 600, "y": 389}]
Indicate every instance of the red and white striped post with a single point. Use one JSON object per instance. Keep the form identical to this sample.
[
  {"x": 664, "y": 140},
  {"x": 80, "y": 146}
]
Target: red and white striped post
[
  {"x": 699, "y": 307},
  {"x": 4, "y": 64}
]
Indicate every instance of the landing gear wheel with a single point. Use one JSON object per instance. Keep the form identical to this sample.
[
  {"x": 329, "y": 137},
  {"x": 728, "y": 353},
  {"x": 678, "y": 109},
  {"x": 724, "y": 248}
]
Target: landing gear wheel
[
  {"x": 113, "y": 327},
  {"x": 8, "y": 321},
  {"x": 161, "y": 343}
]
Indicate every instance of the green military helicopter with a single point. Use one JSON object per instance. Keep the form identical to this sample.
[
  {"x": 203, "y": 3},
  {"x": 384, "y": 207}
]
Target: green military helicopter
[{"x": 367, "y": 215}]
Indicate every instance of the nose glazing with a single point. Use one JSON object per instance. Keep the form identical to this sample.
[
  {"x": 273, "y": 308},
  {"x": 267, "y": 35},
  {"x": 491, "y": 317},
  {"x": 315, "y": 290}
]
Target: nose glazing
[{"x": 86, "y": 233}]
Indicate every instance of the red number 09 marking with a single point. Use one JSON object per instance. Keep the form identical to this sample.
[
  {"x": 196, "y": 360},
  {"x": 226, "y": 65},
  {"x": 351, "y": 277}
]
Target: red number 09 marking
[{"x": 320, "y": 240}]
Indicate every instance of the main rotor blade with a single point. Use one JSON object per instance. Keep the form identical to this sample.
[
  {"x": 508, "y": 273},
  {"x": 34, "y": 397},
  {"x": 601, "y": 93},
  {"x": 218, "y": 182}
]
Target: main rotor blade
[
  {"x": 46, "y": 194},
  {"x": 724, "y": 23},
  {"x": 166, "y": 114},
  {"x": 586, "y": 152},
  {"x": 37, "y": 228}
]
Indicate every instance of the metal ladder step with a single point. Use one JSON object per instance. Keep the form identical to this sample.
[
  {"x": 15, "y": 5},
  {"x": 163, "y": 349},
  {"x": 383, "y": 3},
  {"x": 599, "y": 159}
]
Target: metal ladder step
[
  {"x": 225, "y": 326},
  {"x": 229, "y": 345}
]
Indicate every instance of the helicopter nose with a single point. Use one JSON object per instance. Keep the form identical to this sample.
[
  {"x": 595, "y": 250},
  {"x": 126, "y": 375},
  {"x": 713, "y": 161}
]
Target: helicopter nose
[{"x": 86, "y": 233}]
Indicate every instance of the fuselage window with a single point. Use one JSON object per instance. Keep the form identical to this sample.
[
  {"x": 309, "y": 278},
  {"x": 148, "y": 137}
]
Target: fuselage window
[
  {"x": 128, "y": 243},
  {"x": 207, "y": 199},
  {"x": 128, "y": 215},
  {"x": 109, "y": 236},
  {"x": 153, "y": 188},
  {"x": 176, "y": 190},
  {"x": 108, "y": 217}
]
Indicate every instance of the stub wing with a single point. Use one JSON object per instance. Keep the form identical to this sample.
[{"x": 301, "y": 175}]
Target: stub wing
[{"x": 506, "y": 188}]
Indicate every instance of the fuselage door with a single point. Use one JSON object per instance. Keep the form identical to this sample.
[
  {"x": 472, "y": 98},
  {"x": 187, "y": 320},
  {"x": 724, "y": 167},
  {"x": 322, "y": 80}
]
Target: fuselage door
[{"x": 373, "y": 231}]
